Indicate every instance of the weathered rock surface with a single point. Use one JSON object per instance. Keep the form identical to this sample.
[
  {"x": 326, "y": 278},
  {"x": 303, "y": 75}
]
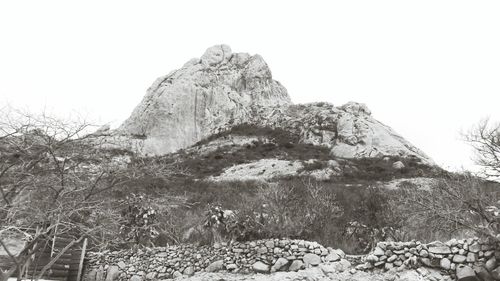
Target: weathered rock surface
[
  {"x": 296, "y": 265},
  {"x": 260, "y": 170},
  {"x": 223, "y": 89},
  {"x": 215, "y": 266},
  {"x": 466, "y": 273},
  {"x": 261, "y": 267},
  {"x": 203, "y": 97}
]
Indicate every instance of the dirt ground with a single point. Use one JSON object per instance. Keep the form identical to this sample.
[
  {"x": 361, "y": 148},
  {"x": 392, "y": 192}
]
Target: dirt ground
[{"x": 319, "y": 274}]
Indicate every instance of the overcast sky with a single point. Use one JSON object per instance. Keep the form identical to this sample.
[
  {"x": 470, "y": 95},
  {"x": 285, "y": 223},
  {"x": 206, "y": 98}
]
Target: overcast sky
[{"x": 426, "y": 68}]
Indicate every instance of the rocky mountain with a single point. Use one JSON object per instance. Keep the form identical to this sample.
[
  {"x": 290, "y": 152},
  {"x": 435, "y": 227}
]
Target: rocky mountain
[
  {"x": 222, "y": 89},
  {"x": 204, "y": 97}
]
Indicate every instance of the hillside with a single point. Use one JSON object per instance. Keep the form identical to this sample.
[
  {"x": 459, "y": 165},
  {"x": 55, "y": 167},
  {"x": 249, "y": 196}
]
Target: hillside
[
  {"x": 223, "y": 89},
  {"x": 224, "y": 129},
  {"x": 216, "y": 169}
]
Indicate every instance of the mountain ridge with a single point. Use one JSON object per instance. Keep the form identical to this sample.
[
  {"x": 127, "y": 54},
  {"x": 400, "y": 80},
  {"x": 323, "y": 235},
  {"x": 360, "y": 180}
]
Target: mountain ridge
[{"x": 222, "y": 89}]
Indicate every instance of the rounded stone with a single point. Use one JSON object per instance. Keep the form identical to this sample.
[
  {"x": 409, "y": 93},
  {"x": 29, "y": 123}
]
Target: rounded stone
[
  {"x": 261, "y": 267},
  {"x": 311, "y": 259},
  {"x": 466, "y": 273},
  {"x": 445, "y": 264},
  {"x": 296, "y": 265}
]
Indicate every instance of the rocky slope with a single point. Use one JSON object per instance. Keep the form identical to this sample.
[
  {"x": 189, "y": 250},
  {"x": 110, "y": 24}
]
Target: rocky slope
[
  {"x": 203, "y": 97},
  {"x": 223, "y": 89}
]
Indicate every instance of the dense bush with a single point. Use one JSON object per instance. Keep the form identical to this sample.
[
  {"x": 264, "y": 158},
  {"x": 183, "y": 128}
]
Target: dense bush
[
  {"x": 306, "y": 209},
  {"x": 375, "y": 169}
]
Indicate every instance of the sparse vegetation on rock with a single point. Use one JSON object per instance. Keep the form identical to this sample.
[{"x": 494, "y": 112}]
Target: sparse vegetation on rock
[{"x": 217, "y": 170}]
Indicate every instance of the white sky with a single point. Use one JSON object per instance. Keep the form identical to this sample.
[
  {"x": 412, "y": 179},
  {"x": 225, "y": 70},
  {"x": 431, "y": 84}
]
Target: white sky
[{"x": 426, "y": 68}]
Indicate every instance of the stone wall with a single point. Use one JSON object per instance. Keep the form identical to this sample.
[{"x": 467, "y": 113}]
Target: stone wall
[
  {"x": 263, "y": 256},
  {"x": 459, "y": 259}
]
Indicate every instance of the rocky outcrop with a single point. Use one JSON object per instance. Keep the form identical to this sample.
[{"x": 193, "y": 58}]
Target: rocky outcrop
[
  {"x": 203, "y": 97},
  {"x": 349, "y": 130},
  {"x": 263, "y": 169},
  {"x": 223, "y": 89}
]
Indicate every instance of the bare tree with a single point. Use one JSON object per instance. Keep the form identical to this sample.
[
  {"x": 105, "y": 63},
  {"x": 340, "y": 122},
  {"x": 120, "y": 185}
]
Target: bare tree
[
  {"x": 485, "y": 139},
  {"x": 52, "y": 173}
]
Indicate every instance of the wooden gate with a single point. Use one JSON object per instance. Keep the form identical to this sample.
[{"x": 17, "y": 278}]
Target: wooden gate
[{"x": 67, "y": 267}]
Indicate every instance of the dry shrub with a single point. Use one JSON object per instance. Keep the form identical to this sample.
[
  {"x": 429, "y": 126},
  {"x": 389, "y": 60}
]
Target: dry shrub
[{"x": 457, "y": 206}]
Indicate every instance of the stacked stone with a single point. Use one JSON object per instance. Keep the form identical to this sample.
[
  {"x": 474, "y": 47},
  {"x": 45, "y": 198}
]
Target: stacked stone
[
  {"x": 262, "y": 256},
  {"x": 458, "y": 258}
]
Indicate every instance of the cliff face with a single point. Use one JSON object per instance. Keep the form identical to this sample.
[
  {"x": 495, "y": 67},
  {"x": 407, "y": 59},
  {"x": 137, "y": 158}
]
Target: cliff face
[
  {"x": 202, "y": 98},
  {"x": 223, "y": 89}
]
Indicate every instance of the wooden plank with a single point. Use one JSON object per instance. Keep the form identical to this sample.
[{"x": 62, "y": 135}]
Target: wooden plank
[
  {"x": 53, "y": 272},
  {"x": 82, "y": 258},
  {"x": 63, "y": 242},
  {"x": 63, "y": 256},
  {"x": 5, "y": 262},
  {"x": 68, "y": 261},
  {"x": 60, "y": 266},
  {"x": 54, "y": 241},
  {"x": 61, "y": 278}
]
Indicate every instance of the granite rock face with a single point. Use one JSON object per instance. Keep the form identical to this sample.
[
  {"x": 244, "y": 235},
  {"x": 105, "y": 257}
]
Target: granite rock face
[
  {"x": 223, "y": 89},
  {"x": 203, "y": 97}
]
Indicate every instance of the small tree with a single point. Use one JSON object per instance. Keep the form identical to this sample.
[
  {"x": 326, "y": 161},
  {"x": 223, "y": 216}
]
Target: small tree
[
  {"x": 485, "y": 140},
  {"x": 139, "y": 222},
  {"x": 455, "y": 205}
]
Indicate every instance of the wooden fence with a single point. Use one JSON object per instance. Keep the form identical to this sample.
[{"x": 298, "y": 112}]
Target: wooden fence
[{"x": 68, "y": 267}]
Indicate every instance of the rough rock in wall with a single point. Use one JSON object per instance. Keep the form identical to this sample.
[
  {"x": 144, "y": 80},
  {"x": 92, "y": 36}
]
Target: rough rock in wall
[
  {"x": 262, "y": 256},
  {"x": 223, "y": 89},
  {"x": 467, "y": 259}
]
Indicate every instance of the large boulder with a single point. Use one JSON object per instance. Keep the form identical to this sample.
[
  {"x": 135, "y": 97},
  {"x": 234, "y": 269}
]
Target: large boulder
[
  {"x": 261, "y": 267},
  {"x": 189, "y": 271},
  {"x": 296, "y": 265},
  {"x": 495, "y": 273},
  {"x": 332, "y": 257},
  {"x": 311, "y": 259},
  {"x": 445, "y": 264},
  {"x": 113, "y": 273},
  {"x": 342, "y": 265},
  {"x": 439, "y": 248},
  {"x": 491, "y": 264},
  {"x": 215, "y": 266},
  {"x": 483, "y": 274},
  {"x": 136, "y": 278},
  {"x": 466, "y": 273},
  {"x": 280, "y": 264}
]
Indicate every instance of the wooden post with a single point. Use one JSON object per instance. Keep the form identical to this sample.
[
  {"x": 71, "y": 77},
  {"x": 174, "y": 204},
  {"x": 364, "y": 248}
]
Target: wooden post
[
  {"x": 82, "y": 258},
  {"x": 54, "y": 242}
]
